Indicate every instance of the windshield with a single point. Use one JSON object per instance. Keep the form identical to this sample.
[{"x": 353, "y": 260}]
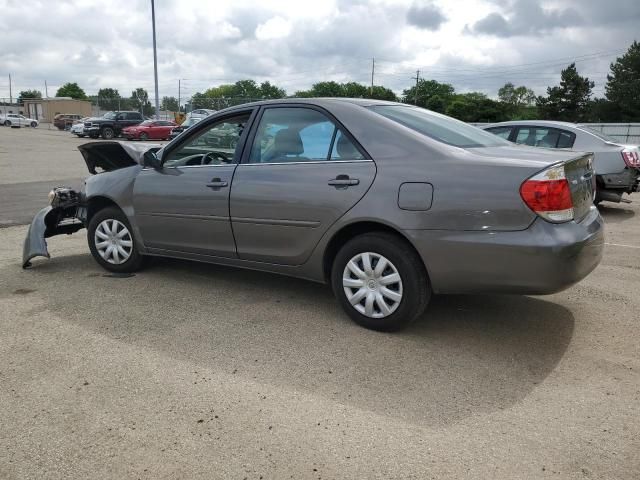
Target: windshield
[
  {"x": 598, "y": 134},
  {"x": 109, "y": 115},
  {"x": 439, "y": 127}
]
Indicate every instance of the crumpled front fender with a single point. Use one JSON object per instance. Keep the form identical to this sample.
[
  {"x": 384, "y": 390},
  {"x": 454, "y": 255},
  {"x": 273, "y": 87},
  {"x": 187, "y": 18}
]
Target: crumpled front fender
[{"x": 48, "y": 222}]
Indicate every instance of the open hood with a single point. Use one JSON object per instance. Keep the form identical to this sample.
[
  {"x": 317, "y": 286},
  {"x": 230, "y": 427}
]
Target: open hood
[{"x": 107, "y": 156}]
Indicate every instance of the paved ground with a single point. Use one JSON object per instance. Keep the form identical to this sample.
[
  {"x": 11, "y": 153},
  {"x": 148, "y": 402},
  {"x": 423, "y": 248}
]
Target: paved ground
[{"x": 195, "y": 371}]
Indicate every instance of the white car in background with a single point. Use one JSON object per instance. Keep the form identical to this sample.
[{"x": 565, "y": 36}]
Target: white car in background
[
  {"x": 78, "y": 127},
  {"x": 16, "y": 120}
]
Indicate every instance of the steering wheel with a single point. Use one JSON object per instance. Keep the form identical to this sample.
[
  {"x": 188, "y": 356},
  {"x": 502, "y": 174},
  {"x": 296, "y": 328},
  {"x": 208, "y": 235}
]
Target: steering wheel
[{"x": 214, "y": 158}]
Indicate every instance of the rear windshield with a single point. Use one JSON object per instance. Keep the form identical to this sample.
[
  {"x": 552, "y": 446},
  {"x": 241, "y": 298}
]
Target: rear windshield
[
  {"x": 598, "y": 134},
  {"x": 439, "y": 127}
]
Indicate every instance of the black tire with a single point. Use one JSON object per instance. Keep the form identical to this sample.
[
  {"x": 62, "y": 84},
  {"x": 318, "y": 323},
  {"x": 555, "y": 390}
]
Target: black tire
[
  {"x": 34, "y": 124},
  {"x": 416, "y": 289},
  {"x": 79, "y": 136},
  {"x": 135, "y": 260},
  {"x": 144, "y": 137},
  {"x": 7, "y": 123},
  {"x": 107, "y": 133}
]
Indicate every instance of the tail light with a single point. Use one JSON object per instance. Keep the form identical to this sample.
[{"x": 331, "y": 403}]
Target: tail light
[
  {"x": 631, "y": 158},
  {"x": 548, "y": 194}
]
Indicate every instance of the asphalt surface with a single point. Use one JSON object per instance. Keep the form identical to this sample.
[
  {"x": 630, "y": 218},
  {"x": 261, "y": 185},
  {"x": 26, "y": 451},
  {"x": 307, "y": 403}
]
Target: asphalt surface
[{"x": 187, "y": 370}]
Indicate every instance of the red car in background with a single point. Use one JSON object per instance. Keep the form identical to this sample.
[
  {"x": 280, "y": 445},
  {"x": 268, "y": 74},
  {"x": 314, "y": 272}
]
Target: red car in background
[{"x": 149, "y": 130}]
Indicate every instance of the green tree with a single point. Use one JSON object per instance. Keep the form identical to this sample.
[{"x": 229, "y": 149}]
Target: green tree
[
  {"x": 570, "y": 100},
  {"x": 109, "y": 99},
  {"x": 140, "y": 101},
  {"x": 430, "y": 94},
  {"x": 382, "y": 93},
  {"x": 517, "y": 99},
  {"x": 476, "y": 107},
  {"x": 29, "y": 94},
  {"x": 348, "y": 90},
  {"x": 169, "y": 103},
  {"x": 246, "y": 89},
  {"x": 268, "y": 90},
  {"x": 623, "y": 85},
  {"x": 71, "y": 90}
]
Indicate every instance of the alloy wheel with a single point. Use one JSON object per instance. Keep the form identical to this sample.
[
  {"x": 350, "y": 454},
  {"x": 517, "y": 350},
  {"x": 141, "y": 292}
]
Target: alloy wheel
[
  {"x": 113, "y": 241},
  {"x": 372, "y": 285}
]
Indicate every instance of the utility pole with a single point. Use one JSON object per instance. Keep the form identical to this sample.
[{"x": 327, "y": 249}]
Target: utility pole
[
  {"x": 10, "y": 92},
  {"x": 46, "y": 90},
  {"x": 155, "y": 57},
  {"x": 373, "y": 69},
  {"x": 417, "y": 77},
  {"x": 178, "y": 95}
]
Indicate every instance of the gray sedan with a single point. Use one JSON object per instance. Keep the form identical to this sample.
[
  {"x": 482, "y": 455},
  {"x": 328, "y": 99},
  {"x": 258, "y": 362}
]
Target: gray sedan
[
  {"x": 617, "y": 166},
  {"x": 386, "y": 202}
]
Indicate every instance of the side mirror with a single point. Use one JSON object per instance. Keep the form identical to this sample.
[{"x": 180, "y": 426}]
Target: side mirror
[{"x": 150, "y": 159}]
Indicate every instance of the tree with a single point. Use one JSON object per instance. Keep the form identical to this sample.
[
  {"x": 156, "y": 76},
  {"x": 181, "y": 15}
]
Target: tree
[
  {"x": 382, "y": 93},
  {"x": 623, "y": 84},
  {"x": 29, "y": 94},
  {"x": 348, "y": 90},
  {"x": 517, "y": 99},
  {"x": 247, "y": 89},
  {"x": 267, "y": 90},
  {"x": 430, "y": 94},
  {"x": 109, "y": 99},
  {"x": 140, "y": 100},
  {"x": 169, "y": 103},
  {"x": 570, "y": 100},
  {"x": 71, "y": 90},
  {"x": 476, "y": 107}
]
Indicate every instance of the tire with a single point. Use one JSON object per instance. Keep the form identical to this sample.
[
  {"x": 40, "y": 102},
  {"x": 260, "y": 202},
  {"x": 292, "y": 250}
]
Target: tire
[
  {"x": 100, "y": 230},
  {"x": 144, "y": 137},
  {"x": 7, "y": 123},
  {"x": 414, "y": 289},
  {"x": 107, "y": 133},
  {"x": 79, "y": 136},
  {"x": 34, "y": 124}
]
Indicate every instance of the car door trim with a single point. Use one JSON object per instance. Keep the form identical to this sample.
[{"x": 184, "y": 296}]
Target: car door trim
[
  {"x": 277, "y": 221},
  {"x": 313, "y": 162},
  {"x": 217, "y": 218}
]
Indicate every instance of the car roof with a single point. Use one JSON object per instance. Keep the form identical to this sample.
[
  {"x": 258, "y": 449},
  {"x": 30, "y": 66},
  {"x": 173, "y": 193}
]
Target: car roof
[
  {"x": 319, "y": 101},
  {"x": 542, "y": 123}
]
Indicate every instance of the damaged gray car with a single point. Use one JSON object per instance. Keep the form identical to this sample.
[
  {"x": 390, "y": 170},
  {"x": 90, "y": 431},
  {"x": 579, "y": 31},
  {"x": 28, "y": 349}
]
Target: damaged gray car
[{"x": 386, "y": 202}]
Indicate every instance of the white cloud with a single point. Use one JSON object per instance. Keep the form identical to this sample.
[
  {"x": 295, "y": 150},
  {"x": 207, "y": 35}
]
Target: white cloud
[{"x": 276, "y": 27}]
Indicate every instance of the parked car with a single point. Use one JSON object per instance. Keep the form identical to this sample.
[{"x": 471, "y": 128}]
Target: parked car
[
  {"x": 78, "y": 127},
  {"x": 17, "y": 120},
  {"x": 387, "y": 202},
  {"x": 149, "y": 130},
  {"x": 64, "y": 121},
  {"x": 111, "y": 124},
  {"x": 183, "y": 126},
  {"x": 617, "y": 166}
]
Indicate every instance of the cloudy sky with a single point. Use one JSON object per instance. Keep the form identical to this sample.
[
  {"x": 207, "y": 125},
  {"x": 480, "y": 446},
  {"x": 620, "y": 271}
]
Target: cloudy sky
[{"x": 473, "y": 44}]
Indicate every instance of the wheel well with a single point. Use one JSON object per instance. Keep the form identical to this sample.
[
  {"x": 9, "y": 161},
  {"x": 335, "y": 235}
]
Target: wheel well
[
  {"x": 347, "y": 233},
  {"x": 98, "y": 203}
]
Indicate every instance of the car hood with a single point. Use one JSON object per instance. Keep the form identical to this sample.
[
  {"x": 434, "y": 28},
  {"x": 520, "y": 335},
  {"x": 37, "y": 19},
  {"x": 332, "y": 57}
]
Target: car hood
[{"x": 108, "y": 156}]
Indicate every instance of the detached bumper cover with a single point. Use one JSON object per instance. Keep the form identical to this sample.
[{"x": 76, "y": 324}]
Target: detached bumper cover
[{"x": 65, "y": 216}]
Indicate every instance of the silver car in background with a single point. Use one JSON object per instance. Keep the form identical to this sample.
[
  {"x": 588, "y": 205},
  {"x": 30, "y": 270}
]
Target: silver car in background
[
  {"x": 386, "y": 202},
  {"x": 617, "y": 166}
]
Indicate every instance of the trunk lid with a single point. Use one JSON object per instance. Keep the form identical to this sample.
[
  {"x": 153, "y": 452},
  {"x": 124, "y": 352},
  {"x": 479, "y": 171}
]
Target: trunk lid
[{"x": 581, "y": 178}]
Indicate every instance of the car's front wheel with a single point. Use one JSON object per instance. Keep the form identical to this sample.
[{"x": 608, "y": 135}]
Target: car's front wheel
[
  {"x": 144, "y": 136},
  {"x": 108, "y": 133},
  {"x": 7, "y": 123},
  {"x": 112, "y": 243},
  {"x": 34, "y": 124},
  {"x": 380, "y": 281}
]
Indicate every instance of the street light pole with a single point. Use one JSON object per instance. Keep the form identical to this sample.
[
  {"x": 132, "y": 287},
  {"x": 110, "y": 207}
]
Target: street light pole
[{"x": 155, "y": 58}]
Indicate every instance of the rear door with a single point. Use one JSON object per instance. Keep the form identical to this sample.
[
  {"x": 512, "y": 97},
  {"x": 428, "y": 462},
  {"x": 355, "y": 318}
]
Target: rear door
[{"x": 301, "y": 174}]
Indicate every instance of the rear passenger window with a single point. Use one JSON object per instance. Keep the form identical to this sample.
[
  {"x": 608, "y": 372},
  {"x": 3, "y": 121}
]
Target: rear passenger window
[
  {"x": 566, "y": 139},
  {"x": 344, "y": 149},
  {"x": 538, "y": 136}
]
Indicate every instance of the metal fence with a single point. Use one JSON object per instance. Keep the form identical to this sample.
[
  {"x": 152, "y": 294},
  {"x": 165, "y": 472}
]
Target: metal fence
[{"x": 622, "y": 132}]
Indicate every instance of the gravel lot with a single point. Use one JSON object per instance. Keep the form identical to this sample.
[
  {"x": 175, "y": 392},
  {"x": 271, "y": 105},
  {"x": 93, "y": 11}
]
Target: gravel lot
[{"x": 197, "y": 371}]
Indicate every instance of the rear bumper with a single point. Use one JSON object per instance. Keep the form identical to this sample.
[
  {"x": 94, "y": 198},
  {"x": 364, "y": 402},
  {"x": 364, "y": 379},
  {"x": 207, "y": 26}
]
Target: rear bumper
[
  {"x": 628, "y": 180},
  {"x": 543, "y": 259}
]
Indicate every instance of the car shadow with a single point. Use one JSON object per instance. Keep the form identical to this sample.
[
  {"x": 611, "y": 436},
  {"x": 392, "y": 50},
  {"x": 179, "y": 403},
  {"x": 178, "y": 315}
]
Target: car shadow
[
  {"x": 616, "y": 214},
  {"x": 467, "y": 355}
]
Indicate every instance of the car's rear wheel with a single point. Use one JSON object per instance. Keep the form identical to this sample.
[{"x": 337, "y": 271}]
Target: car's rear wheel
[
  {"x": 108, "y": 133},
  {"x": 79, "y": 136},
  {"x": 112, "y": 243},
  {"x": 34, "y": 124},
  {"x": 7, "y": 123},
  {"x": 144, "y": 136},
  {"x": 380, "y": 281}
]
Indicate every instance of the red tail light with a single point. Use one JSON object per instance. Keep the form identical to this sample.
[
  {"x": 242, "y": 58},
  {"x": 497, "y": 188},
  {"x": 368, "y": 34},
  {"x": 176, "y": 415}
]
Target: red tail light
[
  {"x": 631, "y": 158},
  {"x": 548, "y": 194}
]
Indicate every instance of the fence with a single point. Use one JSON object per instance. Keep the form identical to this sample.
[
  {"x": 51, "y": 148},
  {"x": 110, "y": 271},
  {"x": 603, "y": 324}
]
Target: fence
[{"x": 622, "y": 132}]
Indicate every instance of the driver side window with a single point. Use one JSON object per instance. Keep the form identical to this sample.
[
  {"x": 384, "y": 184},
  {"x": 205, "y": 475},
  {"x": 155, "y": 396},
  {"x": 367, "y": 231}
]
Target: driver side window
[{"x": 217, "y": 144}]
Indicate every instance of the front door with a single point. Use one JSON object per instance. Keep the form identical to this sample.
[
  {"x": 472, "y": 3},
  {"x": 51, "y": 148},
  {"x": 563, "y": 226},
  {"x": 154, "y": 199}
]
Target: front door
[
  {"x": 184, "y": 206},
  {"x": 303, "y": 173}
]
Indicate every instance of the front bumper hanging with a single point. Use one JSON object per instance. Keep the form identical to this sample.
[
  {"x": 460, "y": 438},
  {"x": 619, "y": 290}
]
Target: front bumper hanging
[{"x": 65, "y": 215}]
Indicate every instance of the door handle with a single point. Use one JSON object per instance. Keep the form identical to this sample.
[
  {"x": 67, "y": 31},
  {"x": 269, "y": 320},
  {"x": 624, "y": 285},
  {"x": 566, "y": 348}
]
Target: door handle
[
  {"x": 343, "y": 181},
  {"x": 217, "y": 183}
]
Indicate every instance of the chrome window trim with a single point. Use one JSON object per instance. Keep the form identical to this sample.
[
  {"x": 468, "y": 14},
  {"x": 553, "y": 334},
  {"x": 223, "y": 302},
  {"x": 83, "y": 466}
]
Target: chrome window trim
[{"x": 313, "y": 162}]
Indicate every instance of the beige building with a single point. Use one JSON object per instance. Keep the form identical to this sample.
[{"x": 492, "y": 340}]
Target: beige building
[{"x": 44, "y": 109}]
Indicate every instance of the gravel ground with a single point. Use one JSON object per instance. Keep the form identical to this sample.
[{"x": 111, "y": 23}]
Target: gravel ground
[{"x": 187, "y": 370}]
